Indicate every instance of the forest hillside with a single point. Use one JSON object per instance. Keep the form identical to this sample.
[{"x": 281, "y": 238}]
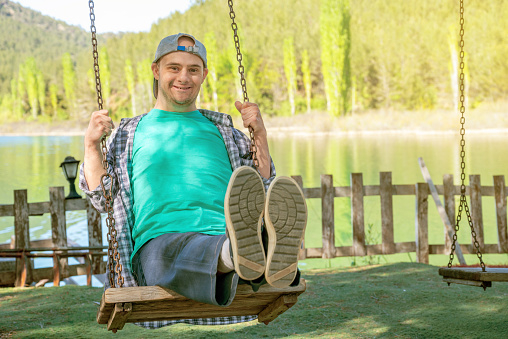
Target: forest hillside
[{"x": 339, "y": 56}]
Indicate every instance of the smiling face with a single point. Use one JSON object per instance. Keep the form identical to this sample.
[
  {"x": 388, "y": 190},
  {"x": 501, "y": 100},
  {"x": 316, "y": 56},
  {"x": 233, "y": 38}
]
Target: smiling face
[{"x": 180, "y": 75}]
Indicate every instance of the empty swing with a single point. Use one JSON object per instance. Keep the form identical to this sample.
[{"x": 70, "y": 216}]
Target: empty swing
[
  {"x": 473, "y": 276},
  {"x": 154, "y": 303}
]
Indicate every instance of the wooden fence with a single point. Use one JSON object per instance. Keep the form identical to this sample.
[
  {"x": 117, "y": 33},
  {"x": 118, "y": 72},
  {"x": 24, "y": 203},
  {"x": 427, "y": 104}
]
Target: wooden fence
[
  {"x": 386, "y": 190},
  {"x": 57, "y": 247},
  {"x": 24, "y": 250}
]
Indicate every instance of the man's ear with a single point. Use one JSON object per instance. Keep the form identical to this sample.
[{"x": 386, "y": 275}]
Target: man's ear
[
  {"x": 205, "y": 73},
  {"x": 155, "y": 70}
]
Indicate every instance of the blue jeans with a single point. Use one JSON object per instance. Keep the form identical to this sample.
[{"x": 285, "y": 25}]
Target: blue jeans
[{"x": 187, "y": 264}]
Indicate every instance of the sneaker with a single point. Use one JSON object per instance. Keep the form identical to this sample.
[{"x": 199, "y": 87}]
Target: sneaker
[
  {"x": 243, "y": 209},
  {"x": 285, "y": 221}
]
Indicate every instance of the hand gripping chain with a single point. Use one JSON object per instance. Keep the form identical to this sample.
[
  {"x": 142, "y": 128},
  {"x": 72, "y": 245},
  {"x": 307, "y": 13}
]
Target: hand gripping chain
[{"x": 113, "y": 253}]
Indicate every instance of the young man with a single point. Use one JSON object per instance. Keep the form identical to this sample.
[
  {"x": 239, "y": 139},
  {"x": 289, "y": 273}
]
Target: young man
[{"x": 189, "y": 204}]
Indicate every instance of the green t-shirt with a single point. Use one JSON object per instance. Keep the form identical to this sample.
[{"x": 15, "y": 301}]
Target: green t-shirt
[{"x": 180, "y": 173}]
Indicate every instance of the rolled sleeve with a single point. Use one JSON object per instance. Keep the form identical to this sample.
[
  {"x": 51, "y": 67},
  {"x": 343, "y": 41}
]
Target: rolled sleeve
[
  {"x": 96, "y": 195},
  {"x": 243, "y": 142},
  {"x": 268, "y": 181}
]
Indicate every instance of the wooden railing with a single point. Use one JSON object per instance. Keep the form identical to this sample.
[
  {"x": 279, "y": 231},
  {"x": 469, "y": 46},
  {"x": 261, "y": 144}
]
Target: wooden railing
[
  {"x": 386, "y": 190},
  {"x": 24, "y": 250}
]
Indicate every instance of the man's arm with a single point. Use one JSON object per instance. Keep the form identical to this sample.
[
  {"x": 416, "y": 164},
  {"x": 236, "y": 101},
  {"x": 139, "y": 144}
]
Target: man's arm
[
  {"x": 251, "y": 117},
  {"x": 99, "y": 127}
]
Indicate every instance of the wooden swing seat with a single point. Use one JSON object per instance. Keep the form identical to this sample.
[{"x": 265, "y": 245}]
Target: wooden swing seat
[
  {"x": 150, "y": 303},
  {"x": 474, "y": 276}
]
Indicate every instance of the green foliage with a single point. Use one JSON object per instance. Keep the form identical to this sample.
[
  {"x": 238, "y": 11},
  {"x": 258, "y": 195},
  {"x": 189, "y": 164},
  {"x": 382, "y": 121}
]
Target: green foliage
[
  {"x": 372, "y": 237},
  {"x": 30, "y": 77},
  {"x": 26, "y": 33},
  {"x": 17, "y": 111},
  {"x": 5, "y": 108},
  {"x": 335, "y": 54},
  {"x": 129, "y": 76},
  {"x": 290, "y": 71},
  {"x": 41, "y": 92},
  {"x": 400, "y": 54},
  {"x": 105, "y": 72},
  {"x": 145, "y": 80},
  {"x": 307, "y": 83},
  {"x": 53, "y": 96},
  {"x": 69, "y": 81},
  {"x": 212, "y": 58}
]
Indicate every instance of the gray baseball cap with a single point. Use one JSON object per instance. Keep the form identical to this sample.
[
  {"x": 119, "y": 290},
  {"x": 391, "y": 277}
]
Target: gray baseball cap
[{"x": 170, "y": 44}]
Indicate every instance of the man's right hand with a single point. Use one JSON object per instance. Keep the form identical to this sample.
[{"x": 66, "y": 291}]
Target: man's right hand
[{"x": 100, "y": 126}]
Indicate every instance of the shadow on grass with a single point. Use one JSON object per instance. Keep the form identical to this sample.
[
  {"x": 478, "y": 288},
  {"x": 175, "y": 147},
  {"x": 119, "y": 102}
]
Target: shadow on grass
[{"x": 398, "y": 300}]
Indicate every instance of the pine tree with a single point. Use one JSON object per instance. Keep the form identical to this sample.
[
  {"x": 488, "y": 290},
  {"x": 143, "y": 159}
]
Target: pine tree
[
  {"x": 129, "y": 76},
  {"x": 345, "y": 43},
  {"x": 307, "y": 83},
  {"x": 30, "y": 76},
  {"x": 53, "y": 97},
  {"x": 41, "y": 92},
  {"x": 335, "y": 54},
  {"x": 69, "y": 83},
  {"x": 145, "y": 79},
  {"x": 327, "y": 25},
  {"x": 17, "y": 112},
  {"x": 211, "y": 54},
  {"x": 105, "y": 71},
  {"x": 290, "y": 71}
]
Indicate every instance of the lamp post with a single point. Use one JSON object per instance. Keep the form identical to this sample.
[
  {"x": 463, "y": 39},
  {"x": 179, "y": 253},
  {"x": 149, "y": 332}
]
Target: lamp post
[{"x": 70, "y": 170}]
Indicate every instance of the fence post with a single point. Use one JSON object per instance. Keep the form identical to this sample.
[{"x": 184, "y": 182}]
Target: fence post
[
  {"x": 357, "y": 218},
  {"x": 303, "y": 252},
  {"x": 327, "y": 213},
  {"x": 22, "y": 233},
  {"x": 449, "y": 205},
  {"x": 422, "y": 224},
  {"x": 385, "y": 192},
  {"x": 58, "y": 222},
  {"x": 94, "y": 233},
  {"x": 476, "y": 208},
  {"x": 56, "y": 269},
  {"x": 500, "y": 195},
  {"x": 88, "y": 265}
]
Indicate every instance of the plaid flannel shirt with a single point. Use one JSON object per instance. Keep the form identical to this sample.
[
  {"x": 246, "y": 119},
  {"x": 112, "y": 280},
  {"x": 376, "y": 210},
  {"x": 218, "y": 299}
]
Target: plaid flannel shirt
[{"x": 119, "y": 158}]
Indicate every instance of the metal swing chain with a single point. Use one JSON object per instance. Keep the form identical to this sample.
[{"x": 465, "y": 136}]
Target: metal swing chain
[
  {"x": 113, "y": 253},
  {"x": 239, "y": 57},
  {"x": 463, "y": 203}
]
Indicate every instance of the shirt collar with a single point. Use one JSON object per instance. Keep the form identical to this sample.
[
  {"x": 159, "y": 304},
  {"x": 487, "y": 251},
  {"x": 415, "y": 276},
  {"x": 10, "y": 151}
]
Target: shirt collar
[{"x": 217, "y": 118}]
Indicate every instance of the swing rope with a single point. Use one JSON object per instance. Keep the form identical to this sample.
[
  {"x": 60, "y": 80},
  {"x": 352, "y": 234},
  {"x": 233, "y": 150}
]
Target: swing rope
[{"x": 463, "y": 203}]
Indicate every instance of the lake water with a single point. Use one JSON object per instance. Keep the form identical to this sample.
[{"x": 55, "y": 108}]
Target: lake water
[{"x": 33, "y": 163}]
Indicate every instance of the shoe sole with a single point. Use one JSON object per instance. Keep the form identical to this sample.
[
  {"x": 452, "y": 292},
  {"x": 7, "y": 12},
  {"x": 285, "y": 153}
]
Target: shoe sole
[
  {"x": 285, "y": 222},
  {"x": 243, "y": 208}
]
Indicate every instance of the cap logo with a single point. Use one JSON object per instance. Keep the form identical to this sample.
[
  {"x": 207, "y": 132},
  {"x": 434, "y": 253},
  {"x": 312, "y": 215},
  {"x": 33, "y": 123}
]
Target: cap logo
[{"x": 190, "y": 49}]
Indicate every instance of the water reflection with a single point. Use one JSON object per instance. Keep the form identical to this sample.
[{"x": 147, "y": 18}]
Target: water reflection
[{"x": 33, "y": 163}]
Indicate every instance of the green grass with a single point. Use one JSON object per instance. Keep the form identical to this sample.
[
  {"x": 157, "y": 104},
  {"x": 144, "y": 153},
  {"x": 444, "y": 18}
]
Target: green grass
[{"x": 404, "y": 300}]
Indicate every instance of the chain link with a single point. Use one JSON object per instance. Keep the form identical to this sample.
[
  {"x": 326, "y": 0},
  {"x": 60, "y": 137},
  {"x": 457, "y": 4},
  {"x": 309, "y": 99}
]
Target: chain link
[
  {"x": 243, "y": 82},
  {"x": 113, "y": 254},
  {"x": 463, "y": 202}
]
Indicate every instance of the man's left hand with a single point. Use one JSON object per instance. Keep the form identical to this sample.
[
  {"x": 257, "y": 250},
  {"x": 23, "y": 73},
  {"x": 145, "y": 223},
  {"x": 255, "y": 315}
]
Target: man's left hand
[{"x": 251, "y": 116}]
